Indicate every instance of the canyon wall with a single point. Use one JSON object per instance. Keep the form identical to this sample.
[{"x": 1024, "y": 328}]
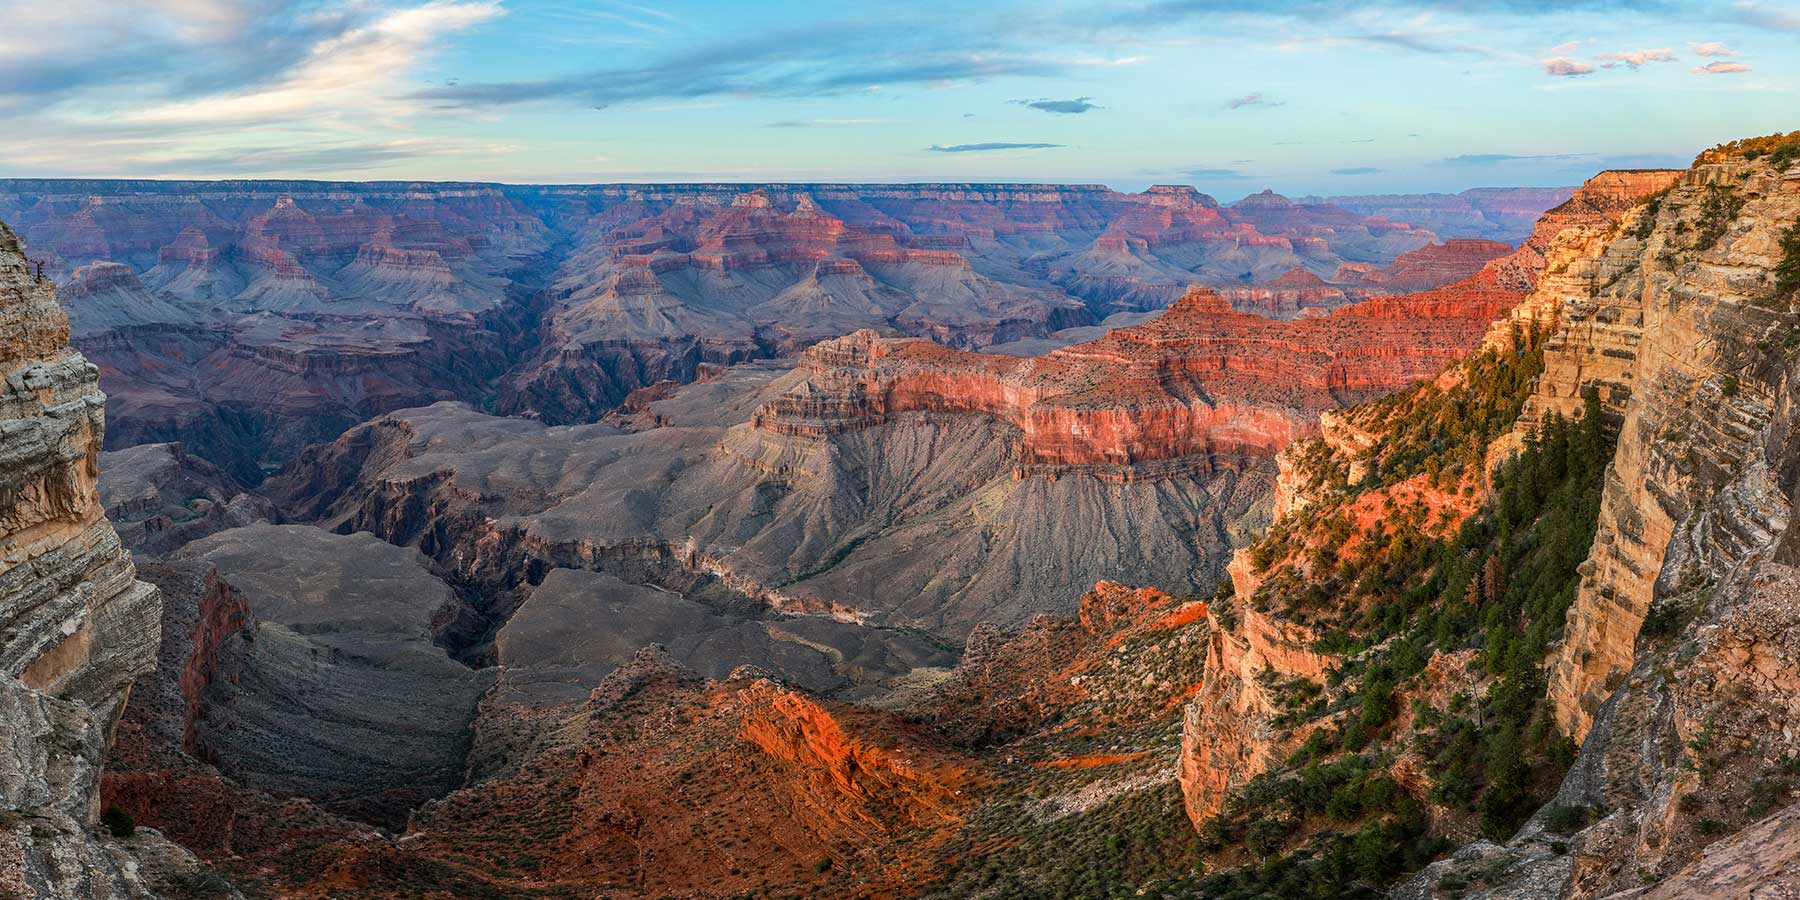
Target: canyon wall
[
  {"x": 896, "y": 481},
  {"x": 1199, "y": 384},
  {"x": 1239, "y": 726},
  {"x": 76, "y": 626},
  {"x": 1669, "y": 334},
  {"x": 1495, "y": 214}
]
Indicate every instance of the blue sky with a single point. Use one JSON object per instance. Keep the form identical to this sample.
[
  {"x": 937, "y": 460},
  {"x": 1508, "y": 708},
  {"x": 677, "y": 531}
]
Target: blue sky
[{"x": 1303, "y": 96}]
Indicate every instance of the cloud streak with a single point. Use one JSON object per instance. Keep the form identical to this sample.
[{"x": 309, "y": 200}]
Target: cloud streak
[
  {"x": 354, "y": 70},
  {"x": 1720, "y": 68},
  {"x": 1073, "y": 107},
  {"x": 816, "y": 61},
  {"x": 990, "y": 145},
  {"x": 823, "y": 123},
  {"x": 1494, "y": 159},
  {"x": 1208, "y": 174},
  {"x": 1254, "y": 98},
  {"x": 1636, "y": 58}
]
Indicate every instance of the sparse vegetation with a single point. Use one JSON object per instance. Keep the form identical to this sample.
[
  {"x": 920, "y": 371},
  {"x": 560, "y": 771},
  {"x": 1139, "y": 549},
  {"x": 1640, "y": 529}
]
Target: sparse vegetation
[
  {"x": 1787, "y": 271},
  {"x": 118, "y": 822},
  {"x": 1445, "y": 433},
  {"x": 1646, "y": 222},
  {"x": 1717, "y": 212},
  {"x": 1500, "y": 586}
]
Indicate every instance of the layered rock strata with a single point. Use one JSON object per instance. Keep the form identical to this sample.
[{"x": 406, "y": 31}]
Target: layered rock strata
[{"x": 76, "y": 627}]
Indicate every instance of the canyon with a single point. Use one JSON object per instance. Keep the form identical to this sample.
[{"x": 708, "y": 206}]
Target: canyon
[
  {"x": 903, "y": 541},
  {"x": 250, "y": 319}
]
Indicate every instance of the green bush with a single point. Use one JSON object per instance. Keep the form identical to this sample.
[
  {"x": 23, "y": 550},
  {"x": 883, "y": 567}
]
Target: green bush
[
  {"x": 1717, "y": 212},
  {"x": 1565, "y": 819},
  {"x": 118, "y": 822},
  {"x": 1787, "y": 271}
]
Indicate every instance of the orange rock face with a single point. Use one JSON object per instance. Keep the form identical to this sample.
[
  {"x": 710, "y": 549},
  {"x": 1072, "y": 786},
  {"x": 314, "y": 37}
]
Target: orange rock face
[
  {"x": 1201, "y": 385},
  {"x": 673, "y": 785}
]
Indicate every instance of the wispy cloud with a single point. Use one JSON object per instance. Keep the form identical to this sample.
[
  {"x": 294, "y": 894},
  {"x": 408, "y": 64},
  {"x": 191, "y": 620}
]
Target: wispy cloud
[
  {"x": 1174, "y": 10},
  {"x": 1756, "y": 14},
  {"x": 1636, "y": 58},
  {"x": 1494, "y": 159},
  {"x": 1358, "y": 170},
  {"x": 1563, "y": 67},
  {"x": 1254, "y": 98},
  {"x": 1710, "y": 48},
  {"x": 1720, "y": 68},
  {"x": 1109, "y": 61},
  {"x": 1211, "y": 174},
  {"x": 355, "y": 70},
  {"x": 1063, "y": 107},
  {"x": 51, "y": 50},
  {"x": 814, "y": 61},
  {"x": 990, "y": 145},
  {"x": 823, "y": 123}
]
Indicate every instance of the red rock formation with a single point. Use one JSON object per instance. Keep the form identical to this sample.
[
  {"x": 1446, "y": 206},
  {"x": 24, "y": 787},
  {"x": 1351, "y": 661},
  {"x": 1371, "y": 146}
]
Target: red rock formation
[
  {"x": 1200, "y": 385},
  {"x": 1433, "y": 265},
  {"x": 1227, "y": 738},
  {"x": 1296, "y": 293},
  {"x": 302, "y": 307},
  {"x": 1499, "y": 214}
]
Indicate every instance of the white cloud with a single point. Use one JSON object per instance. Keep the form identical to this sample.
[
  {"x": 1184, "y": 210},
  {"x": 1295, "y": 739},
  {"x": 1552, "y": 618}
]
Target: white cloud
[
  {"x": 360, "y": 70},
  {"x": 1109, "y": 62},
  {"x": 1636, "y": 58},
  {"x": 1710, "y": 48},
  {"x": 1720, "y": 68},
  {"x": 1563, "y": 66}
]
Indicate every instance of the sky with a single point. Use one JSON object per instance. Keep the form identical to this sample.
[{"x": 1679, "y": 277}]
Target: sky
[{"x": 1232, "y": 96}]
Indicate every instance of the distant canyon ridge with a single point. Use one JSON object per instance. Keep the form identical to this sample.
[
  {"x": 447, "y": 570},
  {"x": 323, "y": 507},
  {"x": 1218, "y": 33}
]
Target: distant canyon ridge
[{"x": 250, "y": 319}]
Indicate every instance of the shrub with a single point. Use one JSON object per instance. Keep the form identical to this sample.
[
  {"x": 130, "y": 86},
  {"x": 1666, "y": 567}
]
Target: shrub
[
  {"x": 1717, "y": 212},
  {"x": 1565, "y": 819},
  {"x": 118, "y": 822},
  {"x": 1787, "y": 272},
  {"x": 1647, "y": 223}
]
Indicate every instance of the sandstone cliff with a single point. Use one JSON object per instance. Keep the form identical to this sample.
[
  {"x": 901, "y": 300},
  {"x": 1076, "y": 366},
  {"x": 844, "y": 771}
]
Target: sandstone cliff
[
  {"x": 1678, "y": 667},
  {"x": 1677, "y": 310},
  {"x": 76, "y": 627}
]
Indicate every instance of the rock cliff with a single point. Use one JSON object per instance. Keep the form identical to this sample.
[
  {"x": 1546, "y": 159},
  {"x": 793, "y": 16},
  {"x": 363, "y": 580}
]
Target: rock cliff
[
  {"x": 76, "y": 626},
  {"x": 1675, "y": 313}
]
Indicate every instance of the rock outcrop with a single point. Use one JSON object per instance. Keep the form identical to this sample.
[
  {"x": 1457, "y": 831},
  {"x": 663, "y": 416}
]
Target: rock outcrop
[
  {"x": 1678, "y": 667},
  {"x": 76, "y": 626},
  {"x": 1200, "y": 385},
  {"x": 160, "y": 497},
  {"x": 334, "y": 689},
  {"x": 1668, "y": 333}
]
